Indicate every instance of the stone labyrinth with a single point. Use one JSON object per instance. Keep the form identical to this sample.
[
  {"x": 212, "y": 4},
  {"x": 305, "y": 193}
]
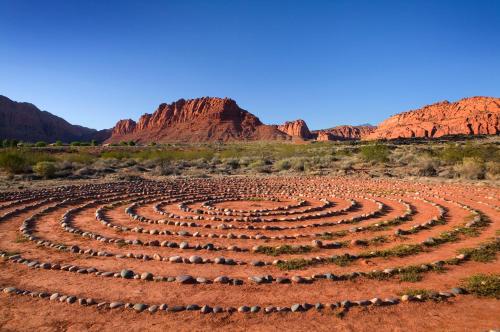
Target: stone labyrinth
[{"x": 245, "y": 245}]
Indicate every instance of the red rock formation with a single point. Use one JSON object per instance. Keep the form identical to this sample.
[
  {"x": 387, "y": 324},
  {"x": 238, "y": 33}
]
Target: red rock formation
[
  {"x": 469, "y": 116},
  {"x": 196, "y": 120},
  {"x": 25, "y": 122},
  {"x": 297, "y": 128},
  {"x": 341, "y": 133}
]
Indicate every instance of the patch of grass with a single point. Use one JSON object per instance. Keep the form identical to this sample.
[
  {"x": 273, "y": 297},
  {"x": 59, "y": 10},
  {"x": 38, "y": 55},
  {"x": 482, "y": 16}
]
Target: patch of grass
[
  {"x": 20, "y": 239},
  {"x": 121, "y": 244},
  {"x": 485, "y": 285},
  {"x": 410, "y": 276},
  {"x": 341, "y": 260},
  {"x": 332, "y": 235},
  {"x": 484, "y": 253},
  {"x": 294, "y": 264},
  {"x": 379, "y": 240},
  {"x": 378, "y": 275},
  {"x": 283, "y": 250},
  {"x": 11, "y": 253},
  {"x": 401, "y": 250}
]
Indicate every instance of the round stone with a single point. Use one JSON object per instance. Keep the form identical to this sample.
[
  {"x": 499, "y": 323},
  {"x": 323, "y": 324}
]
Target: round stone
[
  {"x": 139, "y": 307},
  {"x": 147, "y": 276},
  {"x": 195, "y": 259},
  {"x": 127, "y": 274}
]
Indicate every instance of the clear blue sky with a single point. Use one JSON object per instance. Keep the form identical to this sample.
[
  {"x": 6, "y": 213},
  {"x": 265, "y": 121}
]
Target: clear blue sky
[{"x": 329, "y": 62}]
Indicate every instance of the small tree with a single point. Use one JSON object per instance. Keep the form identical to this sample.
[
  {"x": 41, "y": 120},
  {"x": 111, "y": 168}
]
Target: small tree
[
  {"x": 131, "y": 143},
  {"x": 93, "y": 142},
  {"x": 40, "y": 144},
  {"x": 58, "y": 143},
  {"x": 75, "y": 143}
]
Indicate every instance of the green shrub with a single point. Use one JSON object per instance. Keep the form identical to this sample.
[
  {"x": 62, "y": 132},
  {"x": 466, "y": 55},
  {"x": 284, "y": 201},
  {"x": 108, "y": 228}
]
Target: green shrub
[
  {"x": 76, "y": 143},
  {"x": 45, "y": 169},
  {"x": 58, "y": 143},
  {"x": 13, "y": 162},
  {"x": 376, "y": 152},
  {"x": 40, "y": 144}
]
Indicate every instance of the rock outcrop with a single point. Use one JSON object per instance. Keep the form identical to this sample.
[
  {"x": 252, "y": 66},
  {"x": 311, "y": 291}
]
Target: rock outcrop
[
  {"x": 25, "y": 122},
  {"x": 343, "y": 133},
  {"x": 204, "y": 119},
  {"x": 297, "y": 128},
  {"x": 468, "y": 116}
]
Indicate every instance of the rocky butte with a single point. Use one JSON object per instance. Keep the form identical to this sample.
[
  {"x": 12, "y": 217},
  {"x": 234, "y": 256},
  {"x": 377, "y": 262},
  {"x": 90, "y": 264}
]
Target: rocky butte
[
  {"x": 297, "y": 128},
  {"x": 468, "y": 116},
  {"x": 204, "y": 119},
  {"x": 342, "y": 133}
]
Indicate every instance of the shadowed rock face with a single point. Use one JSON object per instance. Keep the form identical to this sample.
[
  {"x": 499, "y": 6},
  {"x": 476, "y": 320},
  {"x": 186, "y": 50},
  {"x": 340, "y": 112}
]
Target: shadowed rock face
[
  {"x": 196, "y": 120},
  {"x": 469, "y": 116},
  {"x": 297, "y": 128},
  {"x": 24, "y": 121},
  {"x": 342, "y": 133}
]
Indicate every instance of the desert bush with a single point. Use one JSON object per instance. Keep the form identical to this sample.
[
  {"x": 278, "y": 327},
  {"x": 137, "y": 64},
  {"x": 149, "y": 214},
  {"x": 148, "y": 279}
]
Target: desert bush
[
  {"x": 165, "y": 168},
  {"x": 375, "y": 152},
  {"x": 45, "y": 169},
  {"x": 260, "y": 165},
  {"x": 13, "y": 162},
  {"x": 298, "y": 164},
  {"x": 40, "y": 144},
  {"x": 427, "y": 166},
  {"x": 232, "y": 163},
  {"x": 76, "y": 143},
  {"x": 471, "y": 168},
  {"x": 282, "y": 165},
  {"x": 455, "y": 153},
  {"x": 493, "y": 170}
]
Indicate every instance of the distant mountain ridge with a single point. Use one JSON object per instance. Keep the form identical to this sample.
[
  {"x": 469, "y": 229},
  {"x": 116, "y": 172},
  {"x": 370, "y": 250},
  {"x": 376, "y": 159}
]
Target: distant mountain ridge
[
  {"x": 213, "y": 119},
  {"x": 24, "y": 121}
]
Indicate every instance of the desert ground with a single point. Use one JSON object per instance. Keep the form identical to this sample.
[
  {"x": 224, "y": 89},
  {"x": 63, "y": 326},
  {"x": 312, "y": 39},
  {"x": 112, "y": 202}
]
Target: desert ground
[{"x": 250, "y": 252}]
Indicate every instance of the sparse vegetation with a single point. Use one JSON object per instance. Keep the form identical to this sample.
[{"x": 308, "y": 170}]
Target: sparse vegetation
[
  {"x": 484, "y": 285},
  {"x": 283, "y": 250},
  {"x": 485, "y": 253}
]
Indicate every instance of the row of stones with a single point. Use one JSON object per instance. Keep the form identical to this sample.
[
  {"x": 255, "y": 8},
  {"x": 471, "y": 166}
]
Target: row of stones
[
  {"x": 206, "y": 309},
  {"x": 307, "y": 214},
  {"x": 266, "y": 279},
  {"x": 352, "y": 204},
  {"x": 242, "y": 236},
  {"x": 192, "y": 259}
]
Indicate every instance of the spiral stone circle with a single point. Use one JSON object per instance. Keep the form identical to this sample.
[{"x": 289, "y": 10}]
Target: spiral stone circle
[{"x": 242, "y": 246}]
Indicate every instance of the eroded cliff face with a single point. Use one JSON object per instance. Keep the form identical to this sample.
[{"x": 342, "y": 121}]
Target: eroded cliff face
[
  {"x": 342, "y": 133},
  {"x": 469, "y": 116},
  {"x": 26, "y": 122},
  {"x": 196, "y": 120},
  {"x": 297, "y": 128}
]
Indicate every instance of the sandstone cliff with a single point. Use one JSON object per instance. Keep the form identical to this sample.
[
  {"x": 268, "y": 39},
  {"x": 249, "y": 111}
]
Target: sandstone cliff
[
  {"x": 297, "y": 128},
  {"x": 342, "y": 133},
  {"x": 196, "y": 120},
  {"x": 468, "y": 116}
]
